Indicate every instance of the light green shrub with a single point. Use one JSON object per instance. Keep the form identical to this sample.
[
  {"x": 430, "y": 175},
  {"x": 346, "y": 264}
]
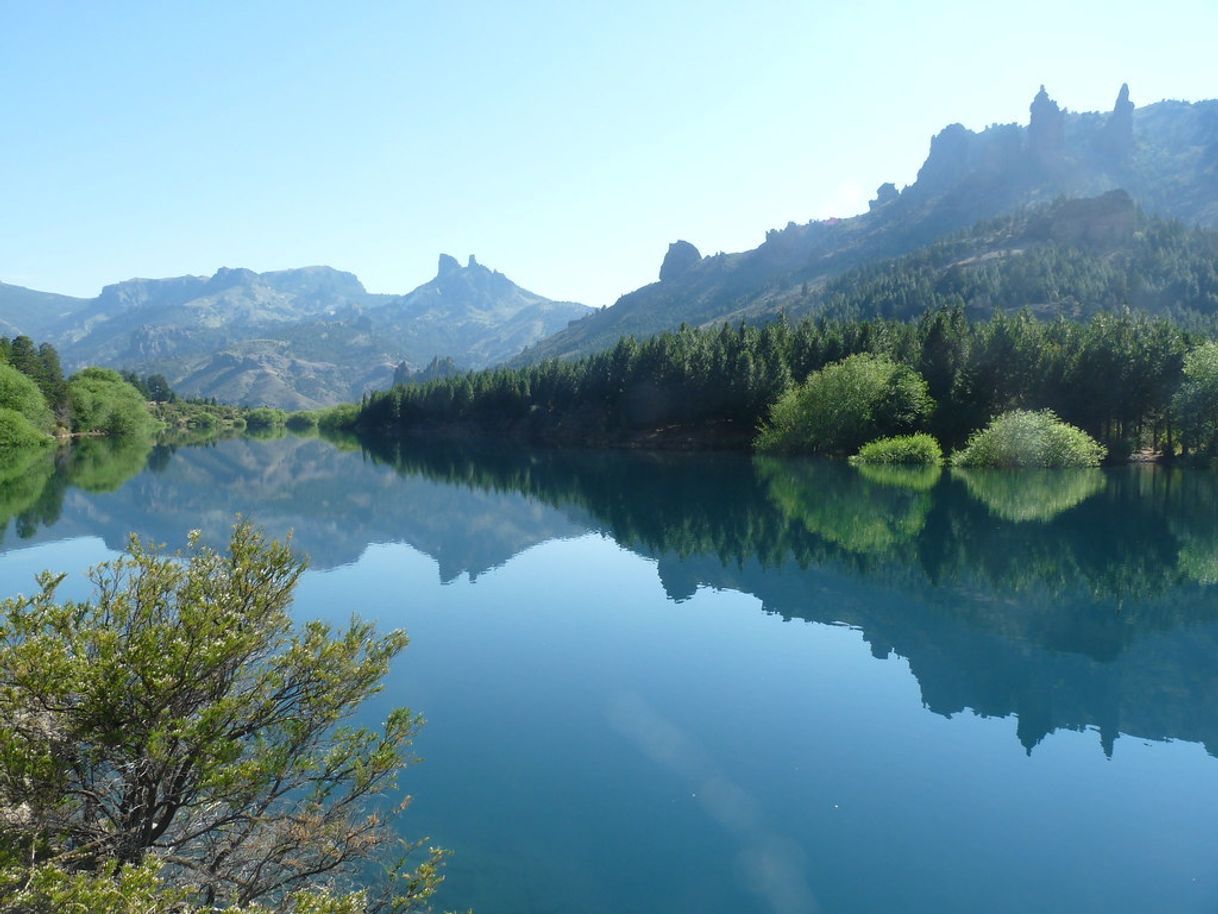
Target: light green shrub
[
  {"x": 911, "y": 449},
  {"x": 1023, "y": 438},
  {"x": 846, "y": 404},
  {"x": 265, "y": 419},
  {"x": 338, "y": 418},
  {"x": 302, "y": 422},
  {"x": 103, "y": 403}
]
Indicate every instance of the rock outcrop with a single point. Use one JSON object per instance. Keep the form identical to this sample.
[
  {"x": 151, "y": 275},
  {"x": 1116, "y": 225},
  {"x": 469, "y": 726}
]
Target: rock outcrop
[
  {"x": 1047, "y": 128},
  {"x": 680, "y": 259},
  {"x": 1118, "y": 131}
]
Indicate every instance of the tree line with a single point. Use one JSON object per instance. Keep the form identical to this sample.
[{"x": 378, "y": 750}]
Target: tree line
[{"x": 1113, "y": 375}]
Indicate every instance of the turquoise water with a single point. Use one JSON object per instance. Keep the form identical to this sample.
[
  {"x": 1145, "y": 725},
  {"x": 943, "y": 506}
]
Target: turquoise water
[{"x": 714, "y": 684}]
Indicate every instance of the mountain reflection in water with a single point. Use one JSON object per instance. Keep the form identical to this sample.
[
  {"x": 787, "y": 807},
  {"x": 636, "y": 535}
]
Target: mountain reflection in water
[{"x": 1071, "y": 599}]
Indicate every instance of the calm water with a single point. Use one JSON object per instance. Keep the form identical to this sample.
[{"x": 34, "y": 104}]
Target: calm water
[{"x": 712, "y": 684}]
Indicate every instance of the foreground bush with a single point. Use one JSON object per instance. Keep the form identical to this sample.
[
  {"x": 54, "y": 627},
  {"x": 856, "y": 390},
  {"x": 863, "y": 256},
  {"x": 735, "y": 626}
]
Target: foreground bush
[
  {"x": 186, "y": 685},
  {"x": 913, "y": 449},
  {"x": 52, "y": 889},
  {"x": 1022, "y": 438},
  {"x": 846, "y": 404}
]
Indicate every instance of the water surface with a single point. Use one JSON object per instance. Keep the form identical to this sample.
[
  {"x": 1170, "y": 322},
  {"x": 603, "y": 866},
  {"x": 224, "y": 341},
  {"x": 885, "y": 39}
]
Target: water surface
[{"x": 717, "y": 684}]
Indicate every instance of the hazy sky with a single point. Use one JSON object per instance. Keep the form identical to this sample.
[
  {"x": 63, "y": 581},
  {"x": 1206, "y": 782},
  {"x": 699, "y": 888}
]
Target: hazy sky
[{"x": 565, "y": 144}]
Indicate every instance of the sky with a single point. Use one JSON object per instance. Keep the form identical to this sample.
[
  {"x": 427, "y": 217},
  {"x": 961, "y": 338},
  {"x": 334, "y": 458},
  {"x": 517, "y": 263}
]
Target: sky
[{"x": 565, "y": 144}]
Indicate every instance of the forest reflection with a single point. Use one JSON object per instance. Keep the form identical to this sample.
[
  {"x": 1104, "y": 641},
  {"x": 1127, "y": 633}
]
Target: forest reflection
[{"x": 1072, "y": 599}]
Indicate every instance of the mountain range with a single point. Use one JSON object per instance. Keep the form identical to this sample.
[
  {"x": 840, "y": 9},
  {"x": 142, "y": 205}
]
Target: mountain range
[
  {"x": 1164, "y": 156},
  {"x": 292, "y": 338},
  {"x": 983, "y": 220}
]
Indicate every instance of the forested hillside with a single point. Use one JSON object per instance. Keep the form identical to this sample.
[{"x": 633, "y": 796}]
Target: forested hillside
[
  {"x": 1113, "y": 375},
  {"x": 1072, "y": 258}
]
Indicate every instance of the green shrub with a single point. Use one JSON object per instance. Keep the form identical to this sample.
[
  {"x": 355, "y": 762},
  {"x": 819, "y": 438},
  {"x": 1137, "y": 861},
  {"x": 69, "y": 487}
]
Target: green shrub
[
  {"x": 17, "y": 432},
  {"x": 203, "y": 422},
  {"x": 264, "y": 419},
  {"x": 1022, "y": 438},
  {"x": 103, "y": 403},
  {"x": 338, "y": 418},
  {"x": 846, "y": 404},
  {"x": 21, "y": 395},
  {"x": 916, "y": 449},
  {"x": 302, "y": 422}
]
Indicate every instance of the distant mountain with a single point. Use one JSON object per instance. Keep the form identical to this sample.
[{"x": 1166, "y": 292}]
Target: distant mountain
[
  {"x": 1165, "y": 156},
  {"x": 33, "y": 313},
  {"x": 476, "y": 315},
  {"x": 291, "y": 338}
]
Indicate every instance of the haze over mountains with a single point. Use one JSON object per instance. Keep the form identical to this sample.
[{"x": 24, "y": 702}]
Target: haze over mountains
[
  {"x": 291, "y": 338},
  {"x": 315, "y": 336}
]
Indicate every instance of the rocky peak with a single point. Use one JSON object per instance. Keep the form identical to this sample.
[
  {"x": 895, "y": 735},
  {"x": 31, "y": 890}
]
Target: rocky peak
[
  {"x": 227, "y": 278},
  {"x": 680, "y": 259},
  {"x": 885, "y": 193},
  {"x": 1118, "y": 131},
  {"x": 448, "y": 266},
  {"x": 1047, "y": 127}
]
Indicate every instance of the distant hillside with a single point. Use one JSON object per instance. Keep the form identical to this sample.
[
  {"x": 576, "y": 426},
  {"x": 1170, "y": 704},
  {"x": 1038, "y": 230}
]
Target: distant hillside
[
  {"x": 32, "y": 313},
  {"x": 1164, "y": 155},
  {"x": 291, "y": 338}
]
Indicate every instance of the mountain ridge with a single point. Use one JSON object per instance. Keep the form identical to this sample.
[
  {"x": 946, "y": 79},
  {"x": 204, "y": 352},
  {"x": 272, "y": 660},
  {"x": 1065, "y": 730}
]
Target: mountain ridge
[
  {"x": 297, "y": 338},
  {"x": 1165, "y": 155}
]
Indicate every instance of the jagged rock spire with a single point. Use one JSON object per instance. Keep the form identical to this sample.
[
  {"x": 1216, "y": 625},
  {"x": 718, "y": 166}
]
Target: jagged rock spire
[
  {"x": 1047, "y": 127},
  {"x": 1118, "y": 131}
]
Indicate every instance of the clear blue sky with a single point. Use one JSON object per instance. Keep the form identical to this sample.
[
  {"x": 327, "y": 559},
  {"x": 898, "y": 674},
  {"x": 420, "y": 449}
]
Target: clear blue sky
[{"x": 565, "y": 144}]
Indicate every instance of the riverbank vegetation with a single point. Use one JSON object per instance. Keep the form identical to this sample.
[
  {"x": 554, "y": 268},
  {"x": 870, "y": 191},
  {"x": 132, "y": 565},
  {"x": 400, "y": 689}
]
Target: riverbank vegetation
[
  {"x": 1114, "y": 376},
  {"x": 225, "y": 773},
  {"x": 39, "y": 403}
]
